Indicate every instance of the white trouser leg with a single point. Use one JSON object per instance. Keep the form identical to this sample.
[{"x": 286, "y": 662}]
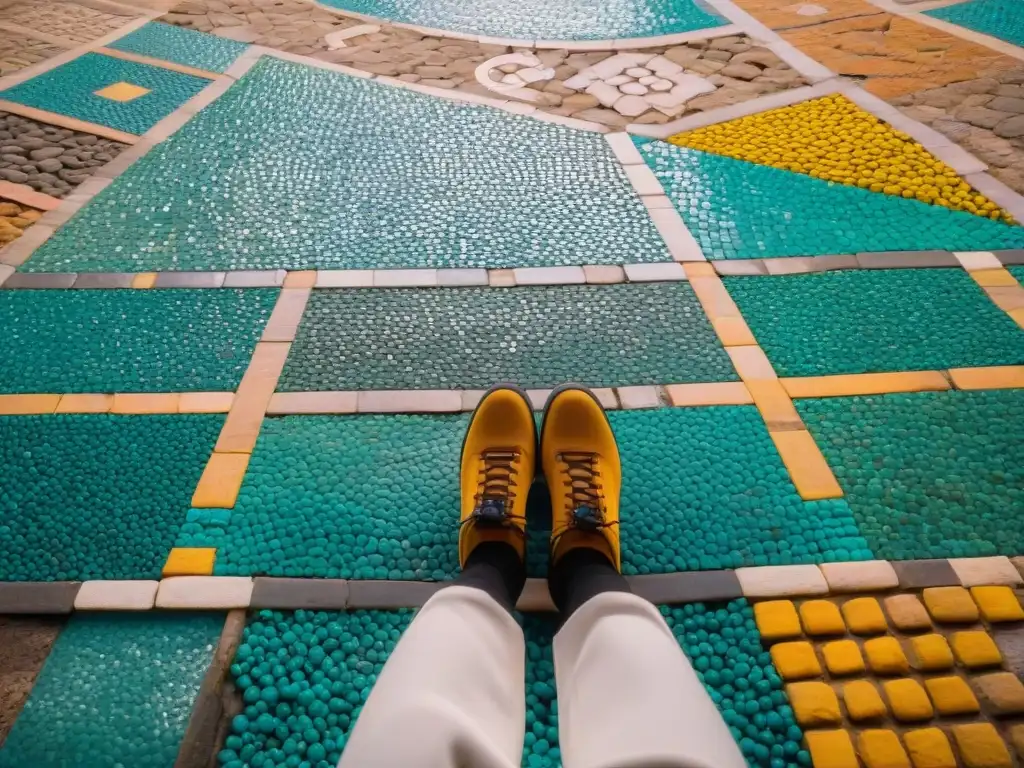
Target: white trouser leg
[
  {"x": 627, "y": 695},
  {"x": 451, "y": 694}
]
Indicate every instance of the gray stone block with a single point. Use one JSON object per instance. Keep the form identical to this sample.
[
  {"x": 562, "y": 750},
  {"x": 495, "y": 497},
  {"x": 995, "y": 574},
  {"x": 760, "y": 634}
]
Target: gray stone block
[
  {"x": 104, "y": 280},
  {"x": 33, "y": 280},
  {"x": 919, "y": 574},
  {"x": 38, "y": 596},
  {"x": 269, "y": 278},
  {"x": 1011, "y": 258},
  {"x": 904, "y": 259},
  {"x": 391, "y": 594},
  {"x": 315, "y": 594},
  {"x": 689, "y": 587},
  {"x": 189, "y": 280}
]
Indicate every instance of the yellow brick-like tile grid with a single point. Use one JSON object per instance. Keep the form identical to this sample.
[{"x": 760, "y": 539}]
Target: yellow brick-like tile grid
[{"x": 190, "y": 561}]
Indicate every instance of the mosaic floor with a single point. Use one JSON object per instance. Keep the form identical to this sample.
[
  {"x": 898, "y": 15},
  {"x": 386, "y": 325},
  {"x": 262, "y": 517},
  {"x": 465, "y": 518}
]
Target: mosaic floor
[{"x": 249, "y": 298}]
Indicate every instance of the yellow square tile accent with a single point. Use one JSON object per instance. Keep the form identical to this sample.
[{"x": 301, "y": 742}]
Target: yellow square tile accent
[
  {"x": 821, "y": 617},
  {"x": 221, "y": 481},
  {"x": 814, "y": 704},
  {"x": 906, "y": 612},
  {"x": 980, "y": 746},
  {"x": 795, "y": 660},
  {"x": 931, "y": 653},
  {"x": 998, "y": 604},
  {"x": 863, "y": 701},
  {"x": 950, "y": 604},
  {"x": 991, "y": 278},
  {"x": 886, "y": 656},
  {"x": 777, "y": 619},
  {"x": 929, "y": 748},
  {"x": 1002, "y": 692},
  {"x": 190, "y": 561},
  {"x": 842, "y": 657},
  {"x": 144, "y": 280},
  {"x": 907, "y": 700},
  {"x": 804, "y": 461},
  {"x": 882, "y": 749},
  {"x": 122, "y": 92},
  {"x": 976, "y": 649},
  {"x": 1017, "y": 739},
  {"x": 831, "y": 749},
  {"x": 951, "y": 696},
  {"x": 864, "y": 616}
]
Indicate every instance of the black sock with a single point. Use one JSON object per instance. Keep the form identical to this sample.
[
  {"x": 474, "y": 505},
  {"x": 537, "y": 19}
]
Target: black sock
[
  {"x": 581, "y": 574},
  {"x": 496, "y": 568}
]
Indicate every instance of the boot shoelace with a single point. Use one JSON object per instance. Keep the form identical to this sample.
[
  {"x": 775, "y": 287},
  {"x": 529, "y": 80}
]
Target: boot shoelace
[
  {"x": 498, "y": 472},
  {"x": 584, "y": 496}
]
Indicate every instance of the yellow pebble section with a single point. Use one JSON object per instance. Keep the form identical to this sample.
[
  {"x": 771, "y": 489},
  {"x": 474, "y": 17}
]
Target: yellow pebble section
[
  {"x": 950, "y": 604},
  {"x": 929, "y": 748},
  {"x": 931, "y": 653},
  {"x": 864, "y": 616},
  {"x": 879, "y": 748},
  {"x": 777, "y": 620},
  {"x": 863, "y": 702},
  {"x": 908, "y": 701},
  {"x": 831, "y": 138},
  {"x": 831, "y": 749},
  {"x": 976, "y": 649},
  {"x": 795, "y": 661},
  {"x": 843, "y": 657},
  {"x": 814, "y": 704},
  {"x": 821, "y": 617},
  {"x": 998, "y": 604},
  {"x": 886, "y": 657},
  {"x": 952, "y": 696},
  {"x": 981, "y": 747}
]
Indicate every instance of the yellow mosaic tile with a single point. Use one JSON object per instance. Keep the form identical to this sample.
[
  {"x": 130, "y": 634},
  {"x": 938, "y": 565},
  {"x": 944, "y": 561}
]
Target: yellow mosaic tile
[
  {"x": 998, "y": 604},
  {"x": 821, "y": 617},
  {"x": 929, "y": 748},
  {"x": 190, "y": 561},
  {"x": 795, "y": 661},
  {"x": 777, "y": 620},
  {"x": 122, "y": 92},
  {"x": 886, "y": 656},
  {"x": 879, "y": 748},
  {"x": 930, "y": 653},
  {"x": 863, "y": 701},
  {"x": 842, "y": 657},
  {"x": 952, "y": 696},
  {"x": 1017, "y": 739},
  {"x": 814, "y": 704},
  {"x": 981, "y": 747},
  {"x": 831, "y": 749},
  {"x": 864, "y": 616},
  {"x": 1002, "y": 693},
  {"x": 831, "y": 138},
  {"x": 976, "y": 649},
  {"x": 906, "y": 612},
  {"x": 950, "y": 604},
  {"x": 907, "y": 700}
]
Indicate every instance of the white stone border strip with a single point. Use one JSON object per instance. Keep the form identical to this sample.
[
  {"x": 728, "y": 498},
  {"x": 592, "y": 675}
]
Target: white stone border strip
[
  {"x": 978, "y": 571},
  {"x": 116, "y": 596},
  {"x": 204, "y": 592},
  {"x": 782, "y": 581}
]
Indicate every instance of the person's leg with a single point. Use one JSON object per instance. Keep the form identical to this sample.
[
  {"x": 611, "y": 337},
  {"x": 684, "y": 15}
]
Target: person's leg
[
  {"x": 627, "y": 695},
  {"x": 451, "y": 694}
]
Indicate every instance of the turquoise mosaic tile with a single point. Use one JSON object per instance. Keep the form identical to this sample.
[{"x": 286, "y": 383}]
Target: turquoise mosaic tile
[
  {"x": 1000, "y": 18},
  {"x": 1018, "y": 273},
  {"x": 96, "y": 496},
  {"x": 70, "y": 90},
  {"x": 300, "y": 168},
  {"x": 180, "y": 45},
  {"x": 376, "y": 497},
  {"x": 876, "y": 320},
  {"x": 932, "y": 474},
  {"x": 539, "y": 20},
  {"x": 174, "y": 340},
  {"x": 116, "y": 690},
  {"x": 740, "y": 210},
  {"x": 451, "y": 338},
  {"x": 331, "y": 660}
]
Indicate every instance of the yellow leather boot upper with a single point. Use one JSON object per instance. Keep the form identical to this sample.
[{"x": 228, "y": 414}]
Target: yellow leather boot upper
[
  {"x": 498, "y": 463},
  {"x": 581, "y": 464}
]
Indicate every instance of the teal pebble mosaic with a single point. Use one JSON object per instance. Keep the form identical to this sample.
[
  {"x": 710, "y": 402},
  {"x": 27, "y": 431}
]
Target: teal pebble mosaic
[
  {"x": 1000, "y": 18},
  {"x": 96, "y": 496},
  {"x": 740, "y": 210},
  {"x": 540, "y": 20},
  {"x": 376, "y": 497},
  {"x": 931, "y": 474},
  {"x": 183, "y": 46},
  {"x": 305, "y": 676},
  {"x": 1018, "y": 273},
  {"x": 469, "y": 338},
  {"x": 300, "y": 168},
  {"x": 117, "y": 690},
  {"x": 174, "y": 340},
  {"x": 70, "y": 90},
  {"x": 863, "y": 321}
]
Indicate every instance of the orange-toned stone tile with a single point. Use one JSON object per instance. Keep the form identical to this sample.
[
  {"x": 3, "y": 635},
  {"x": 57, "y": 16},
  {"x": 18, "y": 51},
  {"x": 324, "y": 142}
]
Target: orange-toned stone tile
[
  {"x": 751, "y": 363},
  {"x": 85, "y": 404},
  {"x": 733, "y": 331},
  {"x": 775, "y": 406},
  {"x": 206, "y": 402},
  {"x": 864, "y": 384},
  {"x": 722, "y": 393},
  {"x": 156, "y": 402},
  {"x": 190, "y": 561},
  {"x": 995, "y": 278},
  {"x": 1018, "y": 316},
  {"x": 782, "y": 14},
  {"x": 301, "y": 279},
  {"x": 24, "y": 405},
  {"x": 144, "y": 280},
  {"x": 994, "y": 377},
  {"x": 242, "y": 426},
  {"x": 1007, "y": 298},
  {"x": 221, "y": 481},
  {"x": 699, "y": 269},
  {"x": 806, "y": 465},
  {"x": 714, "y": 297}
]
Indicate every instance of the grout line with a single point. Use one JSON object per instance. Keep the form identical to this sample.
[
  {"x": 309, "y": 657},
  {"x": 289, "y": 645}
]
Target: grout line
[{"x": 160, "y": 63}]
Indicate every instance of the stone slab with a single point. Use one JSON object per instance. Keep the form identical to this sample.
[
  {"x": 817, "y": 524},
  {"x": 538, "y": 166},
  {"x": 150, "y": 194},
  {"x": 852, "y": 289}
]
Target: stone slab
[
  {"x": 536, "y": 597},
  {"x": 204, "y": 592},
  {"x": 315, "y": 594},
  {"x": 782, "y": 581},
  {"x": 903, "y": 259},
  {"x": 867, "y": 576},
  {"x": 639, "y": 397},
  {"x": 104, "y": 280},
  {"x": 391, "y": 594},
  {"x": 38, "y": 596},
  {"x": 919, "y": 574},
  {"x": 189, "y": 279},
  {"x": 688, "y": 587},
  {"x": 985, "y": 571},
  {"x": 255, "y": 278},
  {"x": 116, "y": 596},
  {"x": 1011, "y": 258},
  {"x": 34, "y": 280}
]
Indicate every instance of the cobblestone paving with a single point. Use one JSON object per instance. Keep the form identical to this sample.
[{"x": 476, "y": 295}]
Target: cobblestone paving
[
  {"x": 18, "y": 51},
  {"x": 70, "y": 21}
]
